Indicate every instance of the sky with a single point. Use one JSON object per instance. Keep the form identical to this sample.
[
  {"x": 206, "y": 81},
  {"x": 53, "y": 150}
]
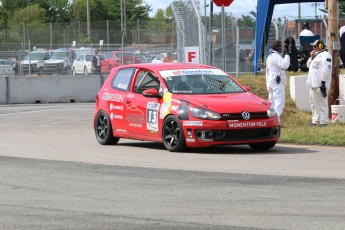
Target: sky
[{"x": 243, "y": 7}]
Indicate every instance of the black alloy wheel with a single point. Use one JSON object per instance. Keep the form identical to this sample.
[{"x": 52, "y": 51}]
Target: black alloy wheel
[
  {"x": 103, "y": 129},
  {"x": 172, "y": 135}
]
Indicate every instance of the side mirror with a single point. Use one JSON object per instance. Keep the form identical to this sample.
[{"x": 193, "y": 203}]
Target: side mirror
[
  {"x": 246, "y": 88},
  {"x": 151, "y": 93}
]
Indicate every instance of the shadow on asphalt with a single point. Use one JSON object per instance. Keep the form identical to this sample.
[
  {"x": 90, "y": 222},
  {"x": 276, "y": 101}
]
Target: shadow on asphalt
[{"x": 225, "y": 149}]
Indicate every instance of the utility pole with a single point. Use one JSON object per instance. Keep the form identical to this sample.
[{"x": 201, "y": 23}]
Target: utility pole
[
  {"x": 299, "y": 28},
  {"x": 333, "y": 36},
  {"x": 88, "y": 20}
]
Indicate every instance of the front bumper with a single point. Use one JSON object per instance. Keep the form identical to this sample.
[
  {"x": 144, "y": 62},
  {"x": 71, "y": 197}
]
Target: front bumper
[{"x": 225, "y": 132}]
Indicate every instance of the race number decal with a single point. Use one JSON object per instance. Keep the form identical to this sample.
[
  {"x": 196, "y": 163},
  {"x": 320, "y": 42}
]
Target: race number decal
[{"x": 152, "y": 116}]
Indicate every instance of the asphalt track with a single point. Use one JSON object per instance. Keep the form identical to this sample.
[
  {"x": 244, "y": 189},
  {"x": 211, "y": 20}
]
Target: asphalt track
[{"x": 54, "y": 175}]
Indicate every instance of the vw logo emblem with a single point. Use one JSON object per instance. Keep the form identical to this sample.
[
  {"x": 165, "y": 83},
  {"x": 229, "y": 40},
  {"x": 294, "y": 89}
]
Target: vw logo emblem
[{"x": 246, "y": 115}]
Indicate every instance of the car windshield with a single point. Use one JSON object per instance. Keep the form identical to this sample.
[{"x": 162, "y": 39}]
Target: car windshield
[
  {"x": 199, "y": 81},
  {"x": 59, "y": 55},
  {"x": 34, "y": 56},
  {"x": 88, "y": 57}
]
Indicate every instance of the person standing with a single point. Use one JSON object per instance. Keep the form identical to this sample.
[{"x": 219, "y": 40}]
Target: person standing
[
  {"x": 306, "y": 30},
  {"x": 342, "y": 45},
  {"x": 96, "y": 62},
  {"x": 319, "y": 80},
  {"x": 276, "y": 76},
  {"x": 169, "y": 58}
]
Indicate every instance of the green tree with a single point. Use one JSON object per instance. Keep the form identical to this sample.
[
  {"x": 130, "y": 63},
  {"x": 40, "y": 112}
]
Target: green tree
[{"x": 29, "y": 14}]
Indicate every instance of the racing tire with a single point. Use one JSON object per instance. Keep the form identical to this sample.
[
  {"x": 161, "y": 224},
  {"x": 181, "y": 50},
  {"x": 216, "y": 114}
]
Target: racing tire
[
  {"x": 103, "y": 129},
  {"x": 172, "y": 135},
  {"x": 263, "y": 146}
]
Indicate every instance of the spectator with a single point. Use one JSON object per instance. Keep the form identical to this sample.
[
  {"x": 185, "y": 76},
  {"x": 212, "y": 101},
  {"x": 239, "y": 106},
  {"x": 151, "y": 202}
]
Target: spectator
[
  {"x": 168, "y": 58},
  {"x": 342, "y": 43},
  {"x": 276, "y": 78},
  {"x": 306, "y": 30},
  {"x": 319, "y": 79},
  {"x": 250, "y": 59},
  {"x": 96, "y": 62}
]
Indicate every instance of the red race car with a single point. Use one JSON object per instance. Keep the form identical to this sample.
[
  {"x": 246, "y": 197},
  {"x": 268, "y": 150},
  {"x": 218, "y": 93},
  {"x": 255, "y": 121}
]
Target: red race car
[
  {"x": 183, "y": 106},
  {"x": 114, "y": 58}
]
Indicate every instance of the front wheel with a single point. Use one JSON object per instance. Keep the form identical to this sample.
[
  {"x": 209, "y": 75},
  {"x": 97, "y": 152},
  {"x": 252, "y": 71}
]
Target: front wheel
[
  {"x": 172, "y": 135},
  {"x": 262, "y": 146},
  {"x": 103, "y": 129}
]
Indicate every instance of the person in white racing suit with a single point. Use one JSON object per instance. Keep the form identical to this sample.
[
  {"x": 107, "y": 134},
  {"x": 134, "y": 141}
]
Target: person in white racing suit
[
  {"x": 319, "y": 80},
  {"x": 276, "y": 77}
]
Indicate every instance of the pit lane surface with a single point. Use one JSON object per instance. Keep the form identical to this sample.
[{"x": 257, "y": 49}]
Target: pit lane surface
[{"x": 54, "y": 174}]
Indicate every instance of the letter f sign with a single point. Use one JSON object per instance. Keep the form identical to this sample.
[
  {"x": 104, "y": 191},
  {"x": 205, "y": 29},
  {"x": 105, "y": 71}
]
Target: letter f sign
[{"x": 191, "y": 56}]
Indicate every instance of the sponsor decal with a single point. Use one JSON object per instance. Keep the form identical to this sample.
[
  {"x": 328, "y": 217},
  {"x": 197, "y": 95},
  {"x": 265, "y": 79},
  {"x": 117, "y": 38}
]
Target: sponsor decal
[
  {"x": 192, "y": 123},
  {"x": 134, "y": 118},
  {"x": 152, "y": 116},
  {"x": 166, "y": 102},
  {"x": 135, "y": 125},
  {"x": 174, "y": 108},
  {"x": 115, "y": 107},
  {"x": 116, "y": 116},
  {"x": 134, "y": 108},
  {"x": 189, "y": 133},
  {"x": 122, "y": 86},
  {"x": 164, "y": 109},
  {"x": 171, "y": 73},
  {"x": 183, "y": 110},
  {"x": 120, "y": 130},
  {"x": 130, "y": 95},
  {"x": 112, "y": 97},
  {"x": 190, "y": 140},
  {"x": 232, "y": 124}
]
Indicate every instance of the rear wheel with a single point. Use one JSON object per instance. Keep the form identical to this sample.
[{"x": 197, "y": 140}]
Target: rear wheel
[
  {"x": 103, "y": 129},
  {"x": 172, "y": 135},
  {"x": 262, "y": 146}
]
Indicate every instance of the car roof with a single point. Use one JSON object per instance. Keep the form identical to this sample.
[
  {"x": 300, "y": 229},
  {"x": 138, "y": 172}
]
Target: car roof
[{"x": 168, "y": 66}]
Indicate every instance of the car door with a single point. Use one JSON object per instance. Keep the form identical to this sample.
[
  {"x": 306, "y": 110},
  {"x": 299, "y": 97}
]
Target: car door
[
  {"x": 116, "y": 96},
  {"x": 78, "y": 65},
  {"x": 142, "y": 113}
]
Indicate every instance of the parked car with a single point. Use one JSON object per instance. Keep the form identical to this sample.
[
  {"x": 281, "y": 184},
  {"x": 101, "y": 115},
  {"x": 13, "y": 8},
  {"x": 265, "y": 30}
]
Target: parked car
[
  {"x": 82, "y": 64},
  {"x": 60, "y": 62},
  {"x": 182, "y": 105},
  {"x": 129, "y": 57},
  {"x": 160, "y": 58},
  {"x": 6, "y": 67},
  {"x": 110, "y": 60},
  {"x": 34, "y": 61}
]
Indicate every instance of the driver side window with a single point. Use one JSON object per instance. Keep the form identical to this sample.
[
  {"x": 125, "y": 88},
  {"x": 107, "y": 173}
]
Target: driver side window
[{"x": 146, "y": 80}]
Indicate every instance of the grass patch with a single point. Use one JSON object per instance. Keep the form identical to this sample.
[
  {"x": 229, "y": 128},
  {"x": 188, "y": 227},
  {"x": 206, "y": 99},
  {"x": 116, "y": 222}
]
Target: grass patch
[{"x": 294, "y": 120}]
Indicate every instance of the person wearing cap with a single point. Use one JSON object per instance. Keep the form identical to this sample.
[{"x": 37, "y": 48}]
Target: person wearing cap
[
  {"x": 319, "y": 80},
  {"x": 276, "y": 77},
  {"x": 306, "y": 30}
]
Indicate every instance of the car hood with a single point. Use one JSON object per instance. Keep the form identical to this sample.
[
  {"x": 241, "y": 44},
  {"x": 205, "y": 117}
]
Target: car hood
[
  {"x": 225, "y": 103},
  {"x": 54, "y": 61},
  {"x": 32, "y": 61}
]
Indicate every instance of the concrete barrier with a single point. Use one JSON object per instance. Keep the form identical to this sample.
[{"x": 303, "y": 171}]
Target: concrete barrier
[
  {"x": 49, "y": 89},
  {"x": 299, "y": 92}
]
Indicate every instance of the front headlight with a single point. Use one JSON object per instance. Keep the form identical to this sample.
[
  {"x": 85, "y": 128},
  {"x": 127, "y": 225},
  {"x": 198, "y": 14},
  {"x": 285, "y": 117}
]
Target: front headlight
[
  {"x": 204, "y": 113},
  {"x": 271, "y": 112}
]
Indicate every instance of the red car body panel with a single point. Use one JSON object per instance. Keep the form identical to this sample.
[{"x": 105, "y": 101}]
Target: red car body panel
[{"x": 135, "y": 116}]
